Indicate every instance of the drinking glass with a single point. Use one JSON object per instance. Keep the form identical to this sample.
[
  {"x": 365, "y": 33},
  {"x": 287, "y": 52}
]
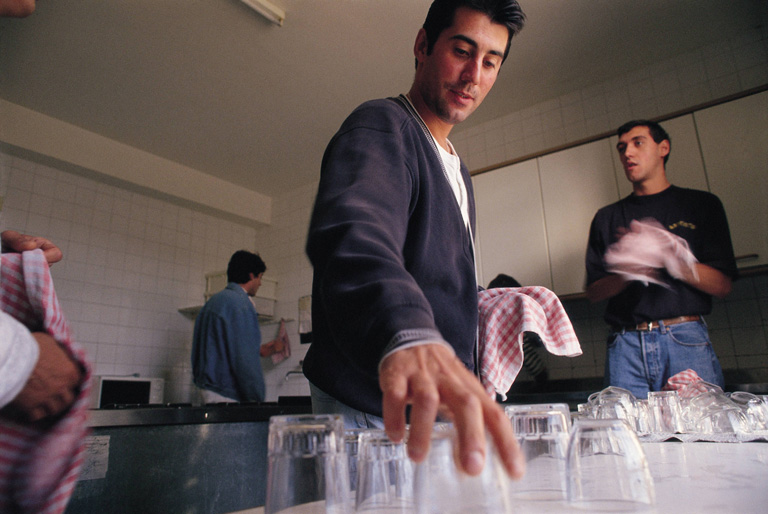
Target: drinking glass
[
  {"x": 666, "y": 412},
  {"x": 351, "y": 445},
  {"x": 440, "y": 487},
  {"x": 606, "y": 467},
  {"x": 385, "y": 475},
  {"x": 307, "y": 465},
  {"x": 754, "y": 408},
  {"x": 614, "y": 403},
  {"x": 543, "y": 438},
  {"x": 713, "y": 413}
]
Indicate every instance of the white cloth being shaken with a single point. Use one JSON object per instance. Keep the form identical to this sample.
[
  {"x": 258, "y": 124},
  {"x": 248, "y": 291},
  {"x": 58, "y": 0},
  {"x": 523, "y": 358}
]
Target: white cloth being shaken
[{"x": 648, "y": 247}]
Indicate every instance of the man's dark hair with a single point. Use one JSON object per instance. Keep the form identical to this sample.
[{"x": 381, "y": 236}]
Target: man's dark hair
[
  {"x": 241, "y": 264},
  {"x": 658, "y": 134},
  {"x": 503, "y": 12},
  {"x": 503, "y": 280}
]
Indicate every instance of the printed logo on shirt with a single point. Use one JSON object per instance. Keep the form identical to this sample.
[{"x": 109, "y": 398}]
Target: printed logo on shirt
[{"x": 683, "y": 224}]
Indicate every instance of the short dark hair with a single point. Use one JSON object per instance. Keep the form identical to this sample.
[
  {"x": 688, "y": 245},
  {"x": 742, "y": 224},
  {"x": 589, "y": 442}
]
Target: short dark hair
[
  {"x": 241, "y": 264},
  {"x": 504, "y": 12},
  {"x": 658, "y": 134},
  {"x": 503, "y": 280}
]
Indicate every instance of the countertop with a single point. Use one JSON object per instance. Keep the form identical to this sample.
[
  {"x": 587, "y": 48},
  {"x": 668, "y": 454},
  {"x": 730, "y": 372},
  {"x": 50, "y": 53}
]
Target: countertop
[
  {"x": 179, "y": 414},
  {"x": 689, "y": 477}
]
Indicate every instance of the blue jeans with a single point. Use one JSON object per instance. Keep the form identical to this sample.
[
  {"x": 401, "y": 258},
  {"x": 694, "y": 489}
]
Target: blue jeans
[
  {"x": 643, "y": 361},
  {"x": 323, "y": 403}
]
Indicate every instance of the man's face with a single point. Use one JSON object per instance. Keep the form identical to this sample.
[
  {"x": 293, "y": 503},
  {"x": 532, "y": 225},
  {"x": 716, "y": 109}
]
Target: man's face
[
  {"x": 465, "y": 60},
  {"x": 641, "y": 156},
  {"x": 253, "y": 285}
]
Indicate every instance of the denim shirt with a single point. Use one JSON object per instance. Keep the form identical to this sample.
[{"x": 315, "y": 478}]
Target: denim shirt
[{"x": 225, "y": 348}]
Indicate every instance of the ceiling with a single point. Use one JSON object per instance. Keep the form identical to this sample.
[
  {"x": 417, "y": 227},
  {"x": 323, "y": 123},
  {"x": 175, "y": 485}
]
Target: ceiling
[{"x": 213, "y": 86}]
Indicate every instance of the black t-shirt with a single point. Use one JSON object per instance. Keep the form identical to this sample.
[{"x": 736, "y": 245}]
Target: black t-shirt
[{"x": 696, "y": 216}]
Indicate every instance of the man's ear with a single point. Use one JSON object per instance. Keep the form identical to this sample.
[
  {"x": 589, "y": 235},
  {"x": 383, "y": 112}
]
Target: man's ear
[
  {"x": 664, "y": 147},
  {"x": 420, "y": 46}
]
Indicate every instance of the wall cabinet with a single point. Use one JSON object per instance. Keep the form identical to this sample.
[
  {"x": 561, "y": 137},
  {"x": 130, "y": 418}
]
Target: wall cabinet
[
  {"x": 733, "y": 143},
  {"x": 575, "y": 183},
  {"x": 511, "y": 235},
  {"x": 533, "y": 217}
]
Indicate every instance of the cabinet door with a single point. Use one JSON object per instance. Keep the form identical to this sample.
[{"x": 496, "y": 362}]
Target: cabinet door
[
  {"x": 684, "y": 167},
  {"x": 733, "y": 142},
  {"x": 510, "y": 225},
  {"x": 575, "y": 183}
]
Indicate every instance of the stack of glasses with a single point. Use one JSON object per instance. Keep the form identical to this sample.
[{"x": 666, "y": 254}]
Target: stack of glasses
[{"x": 701, "y": 411}]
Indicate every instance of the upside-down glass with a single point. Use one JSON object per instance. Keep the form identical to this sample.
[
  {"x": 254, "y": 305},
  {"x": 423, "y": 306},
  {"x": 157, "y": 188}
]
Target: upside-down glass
[
  {"x": 543, "y": 438},
  {"x": 614, "y": 403},
  {"x": 606, "y": 467},
  {"x": 666, "y": 412},
  {"x": 713, "y": 413},
  {"x": 754, "y": 408},
  {"x": 351, "y": 445},
  {"x": 307, "y": 465},
  {"x": 385, "y": 475},
  {"x": 441, "y": 488}
]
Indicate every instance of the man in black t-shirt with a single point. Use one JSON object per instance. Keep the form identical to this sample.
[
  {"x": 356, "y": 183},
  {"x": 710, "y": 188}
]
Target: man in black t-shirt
[{"x": 669, "y": 251}]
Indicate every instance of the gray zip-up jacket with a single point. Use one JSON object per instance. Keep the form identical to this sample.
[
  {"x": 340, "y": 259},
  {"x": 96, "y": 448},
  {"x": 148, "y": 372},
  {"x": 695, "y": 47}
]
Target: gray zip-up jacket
[{"x": 393, "y": 260}]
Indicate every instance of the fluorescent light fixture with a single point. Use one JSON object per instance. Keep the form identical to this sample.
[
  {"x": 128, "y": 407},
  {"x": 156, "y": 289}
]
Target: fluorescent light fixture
[{"x": 267, "y": 9}]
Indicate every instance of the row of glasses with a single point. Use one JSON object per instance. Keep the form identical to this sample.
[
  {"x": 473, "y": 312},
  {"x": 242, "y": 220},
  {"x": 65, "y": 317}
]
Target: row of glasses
[
  {"x": 698, "y": 408},
  {"x": 594, "y": 464},
  {"x": 593, "y": 460},
  {"x": 310, "y": 458}
]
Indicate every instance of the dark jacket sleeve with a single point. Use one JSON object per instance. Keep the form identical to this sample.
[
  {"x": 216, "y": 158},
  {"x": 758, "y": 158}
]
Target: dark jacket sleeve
[{"x": 357, "y": 240}]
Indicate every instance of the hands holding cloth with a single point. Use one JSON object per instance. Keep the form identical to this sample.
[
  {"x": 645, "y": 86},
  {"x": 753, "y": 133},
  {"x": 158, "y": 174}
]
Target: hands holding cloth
[{"x": 645, "y": 249}]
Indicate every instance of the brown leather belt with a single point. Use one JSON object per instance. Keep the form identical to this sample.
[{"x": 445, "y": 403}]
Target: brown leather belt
[{"x": 650, "y": 325}]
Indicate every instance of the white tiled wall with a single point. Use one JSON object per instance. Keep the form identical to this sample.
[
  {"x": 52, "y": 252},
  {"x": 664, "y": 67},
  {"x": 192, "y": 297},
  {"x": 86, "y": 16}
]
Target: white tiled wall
[
  {"x": 131, "y": 261},
  {"x": 282, "y": 247},
  {"x": 672, "y": 84}
]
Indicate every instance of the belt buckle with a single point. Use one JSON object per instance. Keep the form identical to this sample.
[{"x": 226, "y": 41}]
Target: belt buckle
[{"x": 650, "y": 326}]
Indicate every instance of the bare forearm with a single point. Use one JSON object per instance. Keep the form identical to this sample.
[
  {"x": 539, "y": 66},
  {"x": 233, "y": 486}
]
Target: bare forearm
[
  {"x": 710, "y": 281},
  {"x": 606, "y": 287}
]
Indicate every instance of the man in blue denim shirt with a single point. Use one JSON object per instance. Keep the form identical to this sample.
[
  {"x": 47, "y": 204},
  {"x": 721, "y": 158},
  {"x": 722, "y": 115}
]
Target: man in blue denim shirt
[
  {"x": 657, "y": 323},
  {"x": 226, "y": 349}
]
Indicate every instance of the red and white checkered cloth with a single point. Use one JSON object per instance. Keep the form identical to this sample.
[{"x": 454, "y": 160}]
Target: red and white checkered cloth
[
  {"x": 505, "y": 314},
  {"x": 39, "y": 466},
  {"x": 688, "y": 384}
]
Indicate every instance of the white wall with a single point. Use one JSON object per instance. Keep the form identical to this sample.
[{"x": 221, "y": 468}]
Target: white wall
[{"x": 131, "y": 261}]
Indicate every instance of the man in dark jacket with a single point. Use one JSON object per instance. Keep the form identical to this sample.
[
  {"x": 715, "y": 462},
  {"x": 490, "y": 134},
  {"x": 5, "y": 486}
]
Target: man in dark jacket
[{"x": 394, "y": 312}]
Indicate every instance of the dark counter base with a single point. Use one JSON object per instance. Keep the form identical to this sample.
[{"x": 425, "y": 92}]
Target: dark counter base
[
  {"x": 168, "y": 459},
  {"x": 187, "y": 414}
]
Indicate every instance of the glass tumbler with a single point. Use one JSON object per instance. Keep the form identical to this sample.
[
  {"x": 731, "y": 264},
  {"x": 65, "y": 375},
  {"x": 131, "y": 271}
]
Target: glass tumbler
[
  {"x": 666, "y": 412},
  {"x": 440, "y": 488},
  {"x": 606, "y": 467},
  {"x": 543, "y": 438},
  {"x": 385, "y": 475},
  {"x": 307, "y": 469}
]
